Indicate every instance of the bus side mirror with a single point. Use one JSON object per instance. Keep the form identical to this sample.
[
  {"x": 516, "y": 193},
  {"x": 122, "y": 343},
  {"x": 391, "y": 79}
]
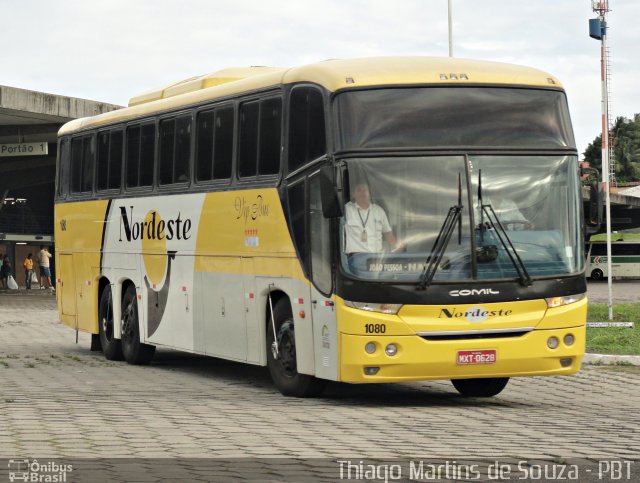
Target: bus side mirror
[
  {"x": 595, "y": 209},
  {"x": 331, "y": 206}
]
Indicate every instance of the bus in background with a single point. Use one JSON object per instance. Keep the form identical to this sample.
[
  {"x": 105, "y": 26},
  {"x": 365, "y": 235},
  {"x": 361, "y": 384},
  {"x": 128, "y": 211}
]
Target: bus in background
[
  {"x": 369, "y": 220},
  {"x": 625, "y": 261}
]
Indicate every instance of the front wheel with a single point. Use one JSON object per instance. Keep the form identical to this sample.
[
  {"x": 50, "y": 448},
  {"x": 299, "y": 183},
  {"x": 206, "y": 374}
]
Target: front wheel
[
  {"x": 283, "y": 369},
  {"x": 133, "y": 350},
  {"x": 480, "y": 387},
  {"x": 597, "y": 274}
]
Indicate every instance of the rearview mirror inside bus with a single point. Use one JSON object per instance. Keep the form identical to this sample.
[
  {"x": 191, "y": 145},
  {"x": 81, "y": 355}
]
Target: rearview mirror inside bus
[{"x": 331, "y": 206}]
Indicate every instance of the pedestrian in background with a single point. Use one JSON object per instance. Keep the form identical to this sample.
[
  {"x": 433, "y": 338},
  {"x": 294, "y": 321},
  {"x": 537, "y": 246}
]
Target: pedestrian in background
[
  {"x": 5, "y": 271},
  {"x": 28, "y": 270},
  {"x": 45, "y": 272}
]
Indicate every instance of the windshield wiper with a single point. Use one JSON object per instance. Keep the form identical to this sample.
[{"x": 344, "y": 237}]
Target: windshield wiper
[
  {"x": 453, "y": 217},
  {"x": 494, "y": 222}
]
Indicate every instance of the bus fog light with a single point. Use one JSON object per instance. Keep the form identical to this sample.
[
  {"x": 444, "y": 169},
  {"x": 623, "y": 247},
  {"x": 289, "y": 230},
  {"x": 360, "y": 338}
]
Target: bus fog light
[
  {"x": 553, "y": 342},
  {"x": 569, "y": 339},
  {"x": 566, "y": 361},
  {"x": 371, "y": 371},
  {"x": 370, "y": 347},
  {"x": 391, "y": 350}
]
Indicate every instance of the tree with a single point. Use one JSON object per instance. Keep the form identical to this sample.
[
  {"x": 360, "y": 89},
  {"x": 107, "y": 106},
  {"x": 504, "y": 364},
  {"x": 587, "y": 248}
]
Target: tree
[{"x": 626, "y": 149}]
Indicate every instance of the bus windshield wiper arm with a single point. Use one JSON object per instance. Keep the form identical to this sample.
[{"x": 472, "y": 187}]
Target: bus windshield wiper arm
[
  {"x": 453, "y": 217},
  {"x": 439, "y": 247},
  {"x": 494, "y": 222}
]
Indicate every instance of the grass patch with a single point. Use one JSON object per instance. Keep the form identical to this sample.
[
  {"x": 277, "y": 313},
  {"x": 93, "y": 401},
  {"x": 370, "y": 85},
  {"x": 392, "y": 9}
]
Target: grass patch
[
  {"x": 625, "y": 369},
  {"x": 616, "y": 237},
  {"x": 614, "y": 340}
]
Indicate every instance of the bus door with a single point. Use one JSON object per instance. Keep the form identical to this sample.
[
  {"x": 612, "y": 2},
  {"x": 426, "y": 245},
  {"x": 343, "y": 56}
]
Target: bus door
[
  {"x": 324, "y": 335},
  {"x": 322, "y": 305},
  {"x": 67, "y": 286}
]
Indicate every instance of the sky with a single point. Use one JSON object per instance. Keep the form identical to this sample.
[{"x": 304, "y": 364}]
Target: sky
[{"x": 112, "y": 50}]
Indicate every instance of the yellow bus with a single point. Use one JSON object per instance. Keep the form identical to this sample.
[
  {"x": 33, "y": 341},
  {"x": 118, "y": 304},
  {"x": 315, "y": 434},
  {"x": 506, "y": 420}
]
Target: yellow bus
[{"x": 370, "y": 220}]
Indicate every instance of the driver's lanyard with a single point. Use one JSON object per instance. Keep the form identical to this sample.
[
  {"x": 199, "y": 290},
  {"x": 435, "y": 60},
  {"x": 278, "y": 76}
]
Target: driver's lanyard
[{"x": 363, "y": 237}]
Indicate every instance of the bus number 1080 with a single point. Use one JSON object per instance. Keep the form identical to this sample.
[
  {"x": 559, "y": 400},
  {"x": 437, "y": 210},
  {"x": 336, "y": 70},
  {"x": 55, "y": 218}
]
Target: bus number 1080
[{"x": 375, "y": 328}]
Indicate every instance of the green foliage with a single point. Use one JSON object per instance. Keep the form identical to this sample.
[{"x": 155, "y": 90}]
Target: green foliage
[
  {"x": 626, "y": 148},
  {"x": 614, "y": 340}
]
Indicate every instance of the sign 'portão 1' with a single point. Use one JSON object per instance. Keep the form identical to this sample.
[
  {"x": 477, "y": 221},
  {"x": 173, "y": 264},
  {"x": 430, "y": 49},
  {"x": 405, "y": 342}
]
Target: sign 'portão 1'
[{"x": 24, "y": 149}]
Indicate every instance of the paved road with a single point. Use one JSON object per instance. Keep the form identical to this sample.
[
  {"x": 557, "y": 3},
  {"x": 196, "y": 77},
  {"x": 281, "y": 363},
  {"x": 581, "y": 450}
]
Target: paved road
[
  {"x": 59, "y": 400},
  {"x": 624, "y": 291}
]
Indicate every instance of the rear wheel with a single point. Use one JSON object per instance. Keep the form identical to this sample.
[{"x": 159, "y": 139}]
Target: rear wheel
[
  {"x": 597, "y": 274},
  {"x": 283, "y": 369},
  {"x": 111, "y": 347},
  {"x": 133, "y": 350},
  {"x": 480, "y": 387}
]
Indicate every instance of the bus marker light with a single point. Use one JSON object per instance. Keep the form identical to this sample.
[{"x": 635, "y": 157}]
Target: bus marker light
[
  {"x": 569, "y": 339},
  {"x": 370, "y": 347},
  {"x": 553, "y": 342},
  {"x": 566, "y": 361},
  {"x": 302, "y": 314},
  {"x": 391, "y": 350},
  {"x": 371, "y": 371}
]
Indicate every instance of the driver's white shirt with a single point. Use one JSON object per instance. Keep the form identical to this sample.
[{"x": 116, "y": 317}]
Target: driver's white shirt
[{"x": 372, "y": 220}]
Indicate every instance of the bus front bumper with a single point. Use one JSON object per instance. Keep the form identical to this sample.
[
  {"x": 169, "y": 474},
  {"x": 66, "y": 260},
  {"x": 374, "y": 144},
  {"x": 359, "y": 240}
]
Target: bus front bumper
[{"x": 421, "y": 359}]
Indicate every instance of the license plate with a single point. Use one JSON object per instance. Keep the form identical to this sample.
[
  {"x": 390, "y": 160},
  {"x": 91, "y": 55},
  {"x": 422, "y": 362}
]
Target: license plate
[{"x": 486, "y": 356}]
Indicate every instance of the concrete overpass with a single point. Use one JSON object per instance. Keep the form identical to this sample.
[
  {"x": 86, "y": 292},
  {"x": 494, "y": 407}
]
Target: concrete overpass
[
  {"x": 29, "y": 122},
  {"x": 625, "y": 210}
]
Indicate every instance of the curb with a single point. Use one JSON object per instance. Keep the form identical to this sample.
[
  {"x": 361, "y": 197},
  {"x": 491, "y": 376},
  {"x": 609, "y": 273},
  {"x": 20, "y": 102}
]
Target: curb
[{"x": 610, "y": 360}]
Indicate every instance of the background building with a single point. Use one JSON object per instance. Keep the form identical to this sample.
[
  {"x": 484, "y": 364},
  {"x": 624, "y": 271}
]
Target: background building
[{"x": 29, "y": 123}]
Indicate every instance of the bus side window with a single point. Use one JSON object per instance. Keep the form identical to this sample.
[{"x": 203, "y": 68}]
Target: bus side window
[
  {"x": 109, "y": 160},
  {"x": 270, "y": 136},
  {"x": 63, "y": 168},
  {"x": 214, "y": 144},
  {"x": 307, "y": 137},
  {"x": 82, "y": 161},
  {"x": 175, "y": 150},
  {"x": 248, "y": 148},
  {"x": 260, "y": 137},
  {"x": 140, "y": 155}
]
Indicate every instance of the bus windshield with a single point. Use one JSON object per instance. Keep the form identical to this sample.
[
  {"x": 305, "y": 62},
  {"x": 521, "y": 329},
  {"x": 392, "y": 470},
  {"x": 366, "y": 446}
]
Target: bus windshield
[
  {"x": 398, "y": 206},
  {"x": 453, "y": 116}
]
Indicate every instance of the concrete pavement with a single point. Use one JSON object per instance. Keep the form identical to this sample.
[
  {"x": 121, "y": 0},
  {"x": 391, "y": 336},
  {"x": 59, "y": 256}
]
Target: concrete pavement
[{"x": 59, "y": 400}]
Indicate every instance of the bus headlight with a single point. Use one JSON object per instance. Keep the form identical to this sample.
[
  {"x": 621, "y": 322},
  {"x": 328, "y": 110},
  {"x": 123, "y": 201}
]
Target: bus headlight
[
  {"x": 565, "y": 300},
  {"x": 370, "y": 347},
  {"x": 569, "y": 339},
  {"x": 391, "y": 349},
  {"x": 383, "y": 308},
  {"x": 553, "y": 342}
]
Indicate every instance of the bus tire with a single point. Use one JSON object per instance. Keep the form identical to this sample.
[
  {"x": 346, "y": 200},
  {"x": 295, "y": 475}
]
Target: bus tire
[
  {"x": 484, "y": 387},
  {"x": 597, "y": 274},
  {"x": 111, "y": 347},
  {"x": 134, "y": 351},
  {"x": 283, "y": 370}
]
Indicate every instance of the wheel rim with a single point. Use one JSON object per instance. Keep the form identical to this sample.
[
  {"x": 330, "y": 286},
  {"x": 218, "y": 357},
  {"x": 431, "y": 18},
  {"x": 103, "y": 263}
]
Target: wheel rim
[
  {"x": 287, "y": 350},
  {"x": 107, "y": 328},
  {"x": 127, "y": 322},
  {"x": 107, "y": 321}
]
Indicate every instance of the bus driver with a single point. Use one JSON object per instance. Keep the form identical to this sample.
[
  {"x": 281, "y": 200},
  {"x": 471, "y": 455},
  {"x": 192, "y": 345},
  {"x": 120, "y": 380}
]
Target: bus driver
[{"x": 366, "y": 224}]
